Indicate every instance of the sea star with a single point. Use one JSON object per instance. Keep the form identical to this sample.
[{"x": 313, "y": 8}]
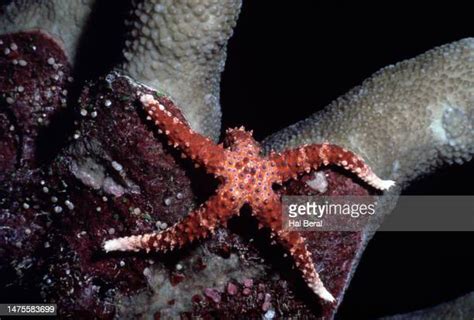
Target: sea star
[{"x": 247, "y": 178}]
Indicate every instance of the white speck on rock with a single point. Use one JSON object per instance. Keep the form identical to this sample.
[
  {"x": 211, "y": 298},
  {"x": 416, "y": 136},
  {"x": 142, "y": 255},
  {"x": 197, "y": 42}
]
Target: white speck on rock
[
  {"x": 146, "y": 272},
  {"x": 270, "y": 314},
  {"x": 117, "y": 166},
  {"x": 319, "y": 182},
  {"x": 69, "y": 204}
]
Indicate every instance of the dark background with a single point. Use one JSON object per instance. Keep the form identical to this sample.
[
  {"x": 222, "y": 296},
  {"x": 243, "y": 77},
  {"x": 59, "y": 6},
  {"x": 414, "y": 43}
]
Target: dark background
[{"x": 287, "y": 61}]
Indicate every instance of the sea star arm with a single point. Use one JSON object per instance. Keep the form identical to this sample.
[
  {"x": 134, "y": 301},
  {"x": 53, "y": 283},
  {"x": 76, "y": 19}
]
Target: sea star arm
[
  {"x": 296, "y": 161},
  {"x": 199, "y": 148},
  {"x": 198, "y": 224},
  {"x": 270, "y": 215}
]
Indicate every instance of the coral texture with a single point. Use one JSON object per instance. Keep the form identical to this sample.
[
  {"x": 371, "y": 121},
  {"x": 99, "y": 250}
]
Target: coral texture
[
  {"x": 179, "y": 47},
  {"x": 430, "y": 96}
]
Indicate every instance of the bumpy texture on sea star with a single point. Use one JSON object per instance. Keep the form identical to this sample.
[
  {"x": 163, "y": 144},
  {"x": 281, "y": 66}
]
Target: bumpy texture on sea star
[
  {"x": 180, "y": 47},
  {"x": 247, "y": 178}
]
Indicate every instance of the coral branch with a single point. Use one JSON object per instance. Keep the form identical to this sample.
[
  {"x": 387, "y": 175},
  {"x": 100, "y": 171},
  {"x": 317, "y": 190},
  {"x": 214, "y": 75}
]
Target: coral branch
[
  {"x": 180, "y": 47},
  {"x": 416, "y": 115}
]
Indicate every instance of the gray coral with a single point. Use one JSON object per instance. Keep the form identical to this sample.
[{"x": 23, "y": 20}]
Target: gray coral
[
  {"x": 405, "y": 120},
  {"x": 180, "y": 47}
]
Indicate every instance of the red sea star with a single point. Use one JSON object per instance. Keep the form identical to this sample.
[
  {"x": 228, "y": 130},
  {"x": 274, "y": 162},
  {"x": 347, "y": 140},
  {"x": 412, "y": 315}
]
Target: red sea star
[{"x": 247, "y": 178}]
